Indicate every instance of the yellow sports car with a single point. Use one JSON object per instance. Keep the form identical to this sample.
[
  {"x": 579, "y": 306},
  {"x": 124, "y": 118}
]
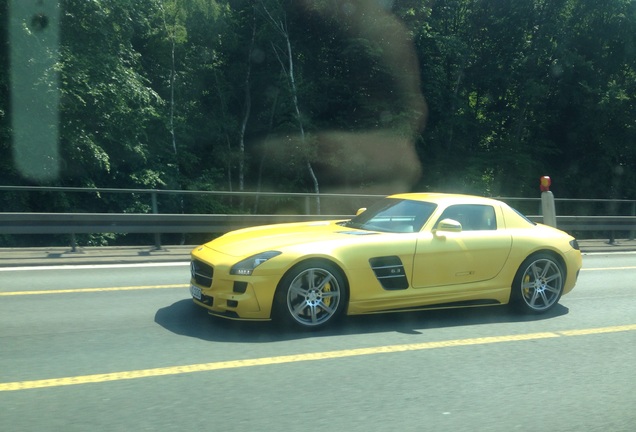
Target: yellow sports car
[{"x": 406, "y": 252}]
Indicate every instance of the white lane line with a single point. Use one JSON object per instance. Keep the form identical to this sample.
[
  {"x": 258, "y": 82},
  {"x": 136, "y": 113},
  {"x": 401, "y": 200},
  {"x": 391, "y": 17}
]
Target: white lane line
[{"x": 96, "y": 266}]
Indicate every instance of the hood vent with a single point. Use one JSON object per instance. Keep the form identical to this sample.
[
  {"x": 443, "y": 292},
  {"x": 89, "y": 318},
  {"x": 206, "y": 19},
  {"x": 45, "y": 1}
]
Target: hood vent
[{"x": 360, "y": 233}]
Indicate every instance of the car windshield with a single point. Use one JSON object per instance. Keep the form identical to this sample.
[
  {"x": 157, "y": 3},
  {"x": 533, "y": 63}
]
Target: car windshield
[{"x": 394, "y": 215}]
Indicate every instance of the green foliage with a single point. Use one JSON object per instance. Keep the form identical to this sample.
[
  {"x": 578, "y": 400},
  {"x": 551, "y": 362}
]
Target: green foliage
[
  {"x": 106, "y": 100},
  {"x": 514, "y": 90},
  {"x": 6, "y": 165}
]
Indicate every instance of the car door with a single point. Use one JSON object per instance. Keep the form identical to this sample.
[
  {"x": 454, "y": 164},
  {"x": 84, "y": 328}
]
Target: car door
[{"x": 476, "y": 253}]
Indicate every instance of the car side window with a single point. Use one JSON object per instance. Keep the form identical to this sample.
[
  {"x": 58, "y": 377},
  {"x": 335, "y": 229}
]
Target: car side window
[{"x": 473, "y": 217}]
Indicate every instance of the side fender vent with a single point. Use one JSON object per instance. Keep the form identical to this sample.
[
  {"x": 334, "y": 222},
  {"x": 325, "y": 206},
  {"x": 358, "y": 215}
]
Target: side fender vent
[{"x": 390, "y": 272}]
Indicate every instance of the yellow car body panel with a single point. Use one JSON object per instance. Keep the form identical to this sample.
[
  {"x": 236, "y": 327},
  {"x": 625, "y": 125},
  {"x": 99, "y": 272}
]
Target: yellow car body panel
[{"x": 431, "y": 267}]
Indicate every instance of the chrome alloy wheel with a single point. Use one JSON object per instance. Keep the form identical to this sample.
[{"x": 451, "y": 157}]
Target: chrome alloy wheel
[
  {"x": 541, "y": 284},
  {"x": 314, "y": 296}
]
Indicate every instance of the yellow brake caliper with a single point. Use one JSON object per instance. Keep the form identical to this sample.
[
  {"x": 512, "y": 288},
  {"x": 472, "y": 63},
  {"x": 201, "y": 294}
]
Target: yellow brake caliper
[
  {"x": 526, "y": 289},
  {"x": 327, "y": 288}
]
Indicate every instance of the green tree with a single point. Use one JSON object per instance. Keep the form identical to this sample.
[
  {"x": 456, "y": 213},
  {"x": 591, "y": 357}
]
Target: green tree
[
  {"x": 200, "y": 95},
  {"x": 594, "y": 105},
  {"x": 8, "y": 174},
  {"x": 107, "y": 103}
]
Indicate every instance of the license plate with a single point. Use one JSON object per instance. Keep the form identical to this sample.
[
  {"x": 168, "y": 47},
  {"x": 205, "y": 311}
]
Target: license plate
[{"x": 196, "y": 292}]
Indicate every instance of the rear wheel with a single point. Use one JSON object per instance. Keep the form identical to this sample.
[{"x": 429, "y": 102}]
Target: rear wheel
[
  {"x": 538, "y": 284},
  {"x": 311, "y": 295}
]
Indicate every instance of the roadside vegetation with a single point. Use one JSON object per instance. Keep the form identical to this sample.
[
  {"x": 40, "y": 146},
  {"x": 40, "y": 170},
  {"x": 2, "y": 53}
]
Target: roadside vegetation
[{"x": 360, "y": 96}]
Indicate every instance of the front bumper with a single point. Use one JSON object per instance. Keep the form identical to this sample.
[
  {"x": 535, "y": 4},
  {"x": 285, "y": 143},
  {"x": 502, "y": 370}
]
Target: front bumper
[
  {"x": 232, "y": 296},
  {"x": 574, "y": 263}
]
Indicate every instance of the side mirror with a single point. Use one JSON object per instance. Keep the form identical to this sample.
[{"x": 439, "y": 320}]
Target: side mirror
[
  {"x": 361, "y": 210},
  {"x": 449, "y": 225}
]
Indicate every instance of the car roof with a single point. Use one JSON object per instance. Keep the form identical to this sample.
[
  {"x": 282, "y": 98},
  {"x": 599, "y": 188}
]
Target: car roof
[{"x": 446, "y": 198}]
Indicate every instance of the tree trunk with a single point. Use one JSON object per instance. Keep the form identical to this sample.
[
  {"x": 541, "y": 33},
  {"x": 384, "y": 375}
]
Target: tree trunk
[
  {"x": 248, "y": 107},
  {"x": 281, "y": 26}
]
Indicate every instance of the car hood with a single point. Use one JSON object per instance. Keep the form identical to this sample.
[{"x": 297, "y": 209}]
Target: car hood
[{"x": 249, "y": 241}]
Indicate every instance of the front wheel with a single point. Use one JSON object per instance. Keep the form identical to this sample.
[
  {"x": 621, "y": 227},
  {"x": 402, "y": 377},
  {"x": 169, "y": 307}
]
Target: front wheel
[
  {"x": 538, "y": 284},
  {"x": 311, "y": 295}
]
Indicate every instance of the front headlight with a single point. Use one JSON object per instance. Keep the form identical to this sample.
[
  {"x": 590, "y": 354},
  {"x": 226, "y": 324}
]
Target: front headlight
[{"x": 247, "y": 266}]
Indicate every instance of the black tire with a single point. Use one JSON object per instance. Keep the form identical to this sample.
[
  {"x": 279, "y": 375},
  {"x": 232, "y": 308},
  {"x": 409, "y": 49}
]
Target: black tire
[
  {"x": 538, "y": 284},
  {"x": 311, "y": 295}
]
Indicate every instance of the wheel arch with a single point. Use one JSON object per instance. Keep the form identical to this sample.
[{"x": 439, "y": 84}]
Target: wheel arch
[
  {"x": 515, "y": 299},
  {"x": 517, "y": 261},
  {"x": 317, "y": 260},
  {"x": 301, "y": 265},
  {"x": 554, "y": 254}
]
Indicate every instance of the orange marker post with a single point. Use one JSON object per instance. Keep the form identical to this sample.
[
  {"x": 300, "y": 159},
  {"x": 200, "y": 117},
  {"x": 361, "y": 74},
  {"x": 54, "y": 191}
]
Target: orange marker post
[{"x": 547, "y": 202}]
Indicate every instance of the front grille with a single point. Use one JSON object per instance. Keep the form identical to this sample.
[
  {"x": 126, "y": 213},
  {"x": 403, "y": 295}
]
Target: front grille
[{"x": 202, "y": 273}]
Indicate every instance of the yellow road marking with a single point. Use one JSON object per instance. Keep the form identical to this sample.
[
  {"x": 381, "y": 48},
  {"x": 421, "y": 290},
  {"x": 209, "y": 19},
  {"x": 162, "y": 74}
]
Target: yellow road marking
[
  {"x": 600, "y": 330},
  {"x": 234, "y": 364},
  {"x": 87, "y": 290}
]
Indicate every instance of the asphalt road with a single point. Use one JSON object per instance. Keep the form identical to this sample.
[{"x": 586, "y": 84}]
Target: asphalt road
[{"x": 121, "y": 347}]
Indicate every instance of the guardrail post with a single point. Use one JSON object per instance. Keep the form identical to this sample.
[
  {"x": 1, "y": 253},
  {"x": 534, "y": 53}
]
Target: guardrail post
[
  {"x": 155, "y": 210},
  {"x": 547, "y": 203},
  {"x": 632, "y": 232}
]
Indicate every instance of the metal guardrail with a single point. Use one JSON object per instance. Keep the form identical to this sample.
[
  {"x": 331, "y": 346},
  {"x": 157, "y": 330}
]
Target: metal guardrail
[
  {"x": 84, "y": 223},
  {"x": 593, "y": 223},
  {"x": 88, "y": 223},
  {"x": 155, "y": 223}
]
